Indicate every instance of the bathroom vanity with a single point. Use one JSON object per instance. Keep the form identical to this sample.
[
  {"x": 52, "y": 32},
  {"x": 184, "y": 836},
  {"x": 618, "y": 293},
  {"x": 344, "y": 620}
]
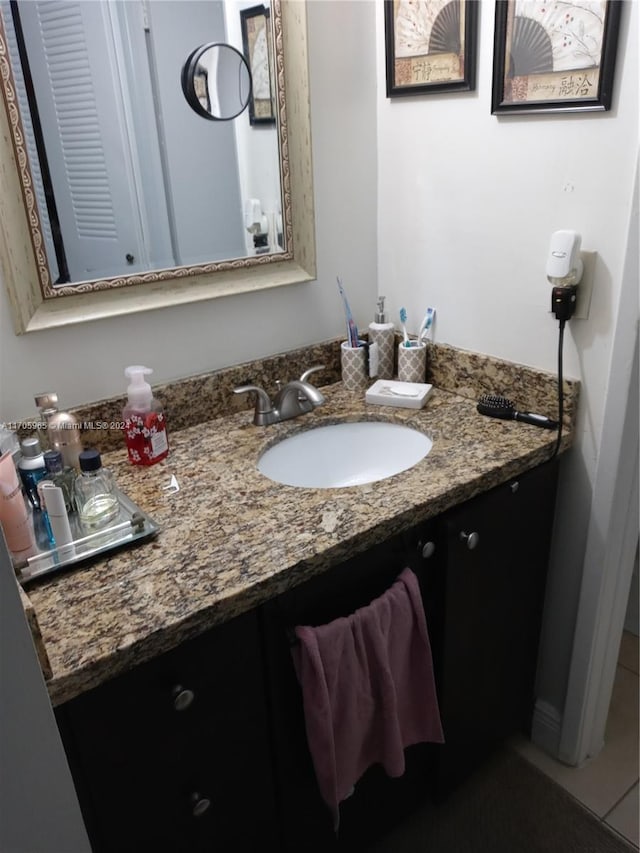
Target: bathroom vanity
[
  {"x": 172, "y": 676},
  {"x": 483, "y": 594}
]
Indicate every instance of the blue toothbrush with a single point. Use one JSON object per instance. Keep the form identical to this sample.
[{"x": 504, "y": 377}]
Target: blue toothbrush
[
  {"x": 427, "y": 323},
  {"x": 403, "y": 320}
]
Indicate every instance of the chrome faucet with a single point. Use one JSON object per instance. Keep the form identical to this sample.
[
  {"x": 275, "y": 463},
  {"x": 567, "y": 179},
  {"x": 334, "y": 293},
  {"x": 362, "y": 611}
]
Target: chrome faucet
[{"x": 295, "y": 398}]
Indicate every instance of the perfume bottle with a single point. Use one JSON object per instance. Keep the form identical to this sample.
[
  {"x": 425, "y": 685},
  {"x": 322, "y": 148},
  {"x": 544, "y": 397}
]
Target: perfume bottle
[
  {"x": 95, "y": 498},
  {"x": 59, "y": 430}
]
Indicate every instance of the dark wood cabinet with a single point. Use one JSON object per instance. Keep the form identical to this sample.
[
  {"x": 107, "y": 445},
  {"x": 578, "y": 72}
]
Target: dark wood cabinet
[
  {"x": 204, "y": 748},
  {"x": 378, "y": 802},
  {"x": 484, "y": 606},
  {"x": 174, "y": 755},
  {"x": 482, "y": 570}
]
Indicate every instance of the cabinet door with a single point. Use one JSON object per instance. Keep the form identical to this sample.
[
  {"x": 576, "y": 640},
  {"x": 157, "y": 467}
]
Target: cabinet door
[
  {"x": 378, "y": 802},
  {"x": 175, "y": 754},
  {"x": 491, "y": 596}
]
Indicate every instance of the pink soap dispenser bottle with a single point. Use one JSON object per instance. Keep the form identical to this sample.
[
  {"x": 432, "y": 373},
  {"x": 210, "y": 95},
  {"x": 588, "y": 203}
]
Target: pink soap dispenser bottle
[{"x": 145, "y": 429}]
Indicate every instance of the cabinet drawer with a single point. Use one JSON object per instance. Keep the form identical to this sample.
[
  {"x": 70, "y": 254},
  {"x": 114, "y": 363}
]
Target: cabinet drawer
[
  {"x": 211, "y": 684},
  {"x": 133, "y": 808},
  {"x": 148, "y": 755}
]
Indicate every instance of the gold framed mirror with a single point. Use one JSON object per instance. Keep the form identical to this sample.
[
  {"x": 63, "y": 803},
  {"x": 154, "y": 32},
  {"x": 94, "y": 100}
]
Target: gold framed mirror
[{"x": 37, "y": 304}]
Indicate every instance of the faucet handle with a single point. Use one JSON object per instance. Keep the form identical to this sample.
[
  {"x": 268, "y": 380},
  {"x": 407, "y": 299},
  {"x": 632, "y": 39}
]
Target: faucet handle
[
  {"x": 314, "y": 369},
  {"x": 263, "y": 403}
]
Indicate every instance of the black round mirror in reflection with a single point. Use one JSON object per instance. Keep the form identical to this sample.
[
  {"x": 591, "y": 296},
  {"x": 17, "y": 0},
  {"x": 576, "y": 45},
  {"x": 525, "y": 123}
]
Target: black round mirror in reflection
[{"x": 216, "y": 81}]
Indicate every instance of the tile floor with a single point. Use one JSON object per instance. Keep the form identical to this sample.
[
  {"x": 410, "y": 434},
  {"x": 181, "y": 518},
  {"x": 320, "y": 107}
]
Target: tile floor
[{"x": 607, "y": 785}]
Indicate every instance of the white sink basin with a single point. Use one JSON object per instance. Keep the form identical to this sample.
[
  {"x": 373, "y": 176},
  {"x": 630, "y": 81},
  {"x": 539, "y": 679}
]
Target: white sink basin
[{"x": 339, "y": 455}]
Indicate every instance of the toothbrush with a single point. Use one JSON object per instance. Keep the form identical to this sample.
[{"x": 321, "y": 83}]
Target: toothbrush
[
  {"x": 403, "y": 319},
  {"x": 426, "y": 325},
  {"x": 352, "y": 329}
]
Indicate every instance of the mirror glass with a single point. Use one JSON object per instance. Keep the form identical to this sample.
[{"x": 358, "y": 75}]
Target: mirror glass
[
  {"x": 216, "y": 82},
  {"x": 127, "y": 177}
]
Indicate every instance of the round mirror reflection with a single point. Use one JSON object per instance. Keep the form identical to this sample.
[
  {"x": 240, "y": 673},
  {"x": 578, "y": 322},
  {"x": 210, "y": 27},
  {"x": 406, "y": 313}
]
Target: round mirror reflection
[{"x": 216, "y": 81}]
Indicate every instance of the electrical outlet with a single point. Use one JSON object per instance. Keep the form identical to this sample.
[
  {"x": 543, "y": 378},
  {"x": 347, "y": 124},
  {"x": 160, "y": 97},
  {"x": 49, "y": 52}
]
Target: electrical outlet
[{"x": 585, "y": 287}]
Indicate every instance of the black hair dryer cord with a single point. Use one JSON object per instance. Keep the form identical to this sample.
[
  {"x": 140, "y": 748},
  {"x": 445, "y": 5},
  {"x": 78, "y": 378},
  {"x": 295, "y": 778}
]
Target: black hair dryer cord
[{"x": 562, "y": 324}]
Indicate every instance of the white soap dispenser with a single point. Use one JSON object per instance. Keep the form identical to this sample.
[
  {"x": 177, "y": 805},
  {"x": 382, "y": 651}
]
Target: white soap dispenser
[{"x": 384, "y": 334}]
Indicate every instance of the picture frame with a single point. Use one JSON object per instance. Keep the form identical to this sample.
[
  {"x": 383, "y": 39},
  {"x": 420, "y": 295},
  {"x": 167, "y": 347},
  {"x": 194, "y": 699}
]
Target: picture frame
[
  {"x": 554, "y": 57},
  {"x": 255, "y": 24},
  {"x": 430, "y": 46},
  {"x": 201, "y": 88}
]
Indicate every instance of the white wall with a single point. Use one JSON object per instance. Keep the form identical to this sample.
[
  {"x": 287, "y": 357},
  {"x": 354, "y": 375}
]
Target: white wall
[
  {"x": 632, "y": 620},
  {"x": 39, "y": 810},
  {"x": 467, "y": 204}
]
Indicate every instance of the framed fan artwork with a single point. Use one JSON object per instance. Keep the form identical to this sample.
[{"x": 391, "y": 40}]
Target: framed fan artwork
[
  {"x": 256, "y": 43},
  {"x": 555, "y": 56},
  {"x": 430, "y": 46}
]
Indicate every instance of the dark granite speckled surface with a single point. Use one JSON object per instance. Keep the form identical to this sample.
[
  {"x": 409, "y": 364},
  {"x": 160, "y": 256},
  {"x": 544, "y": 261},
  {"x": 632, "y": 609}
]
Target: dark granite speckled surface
[
  {"x": 231, "y": 539},
  {"x": 207, "y": 396}
]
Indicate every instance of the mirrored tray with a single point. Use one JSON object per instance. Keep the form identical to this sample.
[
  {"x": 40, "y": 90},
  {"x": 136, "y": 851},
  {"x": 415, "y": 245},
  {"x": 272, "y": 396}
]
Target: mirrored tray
[{"x": 131, "y": 525}]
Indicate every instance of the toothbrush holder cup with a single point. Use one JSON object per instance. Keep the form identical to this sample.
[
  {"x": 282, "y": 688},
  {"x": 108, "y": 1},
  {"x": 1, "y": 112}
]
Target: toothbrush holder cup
[
  {"x": 412, "y": 362},
  {"x": 356, "y": 365}
]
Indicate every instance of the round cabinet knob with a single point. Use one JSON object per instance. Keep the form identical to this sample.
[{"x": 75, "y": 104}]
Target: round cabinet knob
[
  {"x": 199, "y": 804},
  {"x": 182, "y": 698},
  {"x": 428, "y": 549},
  {"x": 472, "y": 539}
]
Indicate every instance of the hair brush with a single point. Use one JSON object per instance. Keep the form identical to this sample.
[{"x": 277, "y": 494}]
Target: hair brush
[{"x": 501, "y": 407}]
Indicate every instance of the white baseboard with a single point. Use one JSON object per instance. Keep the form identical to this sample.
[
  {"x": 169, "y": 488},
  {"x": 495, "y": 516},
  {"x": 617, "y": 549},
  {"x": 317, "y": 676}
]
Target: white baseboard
[{"x": 545, "y": 728}]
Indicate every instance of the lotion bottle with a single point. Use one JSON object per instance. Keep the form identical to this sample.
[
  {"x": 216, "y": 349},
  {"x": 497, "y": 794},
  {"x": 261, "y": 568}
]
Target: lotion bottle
[
  {"x": 15, "y": 518},
  {"x": 145, "y": 429},
  {"x": 383, "y": 333}
]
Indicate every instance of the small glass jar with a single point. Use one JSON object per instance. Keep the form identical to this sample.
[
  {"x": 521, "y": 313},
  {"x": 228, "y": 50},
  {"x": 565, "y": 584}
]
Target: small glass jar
[
  {"x": 95, "y": 498},
  {"x": 62, "y": 475}
]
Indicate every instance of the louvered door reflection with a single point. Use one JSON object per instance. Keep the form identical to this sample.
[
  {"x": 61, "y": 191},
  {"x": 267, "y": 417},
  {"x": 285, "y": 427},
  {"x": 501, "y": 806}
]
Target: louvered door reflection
[{"x": 82, "y": 115}]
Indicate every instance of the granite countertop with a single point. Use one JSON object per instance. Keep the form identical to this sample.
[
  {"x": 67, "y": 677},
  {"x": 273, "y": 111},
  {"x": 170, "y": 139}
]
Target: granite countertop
[{"x": 231, "y": 539}]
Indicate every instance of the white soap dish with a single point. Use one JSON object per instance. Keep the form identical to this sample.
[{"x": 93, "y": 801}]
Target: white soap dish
[{"x": 405, "y": 395}]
